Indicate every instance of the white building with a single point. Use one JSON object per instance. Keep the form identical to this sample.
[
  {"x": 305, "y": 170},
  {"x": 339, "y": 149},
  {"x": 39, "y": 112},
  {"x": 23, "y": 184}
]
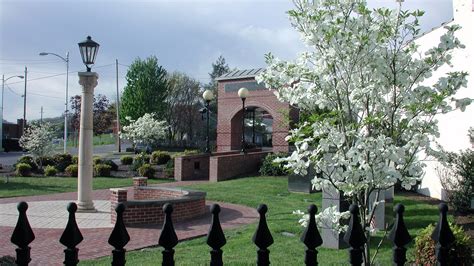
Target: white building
[{"x": 453, "y": 126}]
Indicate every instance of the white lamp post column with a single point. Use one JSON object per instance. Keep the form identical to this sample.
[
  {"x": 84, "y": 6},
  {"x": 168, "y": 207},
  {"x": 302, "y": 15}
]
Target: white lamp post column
[{"x": 88, "y": 81}]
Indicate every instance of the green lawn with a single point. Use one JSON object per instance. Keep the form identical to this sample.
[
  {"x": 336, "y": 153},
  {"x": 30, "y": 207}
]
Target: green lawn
[
  {"x": 29, "y": 186},
  {"x": 286, "y": 250}
]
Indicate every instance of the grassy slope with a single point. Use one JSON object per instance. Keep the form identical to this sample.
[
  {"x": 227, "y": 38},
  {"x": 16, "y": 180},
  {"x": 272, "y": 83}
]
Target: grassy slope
[
  {"x": 29, "y": 186},
  {"x": 240, "y": 250}
]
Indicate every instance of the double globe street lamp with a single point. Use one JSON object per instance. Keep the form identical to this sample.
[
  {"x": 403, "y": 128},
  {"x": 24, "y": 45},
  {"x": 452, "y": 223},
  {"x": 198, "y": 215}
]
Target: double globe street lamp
[
  {"x": 208, "y": 97},
  {"x": 1, "y": 112},
  {"x": 67, "y": 88}
]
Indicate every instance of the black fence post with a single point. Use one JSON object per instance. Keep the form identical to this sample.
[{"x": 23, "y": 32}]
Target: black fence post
[
  {"x": 216, "y": 237},
  {"x": 355, "y": 237},
  {"x": 443, "y": 236},
  {"x": 119, "y": 237},
  {"x": 400, "y": 237},
  {"x": 262, "y": 237},
  {"x": 311, "y": 238},
  {"x": 168, "y": 239},
  {"x": 71, "y": 237},
  {"x": 22, "y": 236}
]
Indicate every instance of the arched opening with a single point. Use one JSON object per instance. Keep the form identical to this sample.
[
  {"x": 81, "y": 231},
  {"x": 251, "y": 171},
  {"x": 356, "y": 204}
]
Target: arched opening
[{"x": 258, "y": 128}]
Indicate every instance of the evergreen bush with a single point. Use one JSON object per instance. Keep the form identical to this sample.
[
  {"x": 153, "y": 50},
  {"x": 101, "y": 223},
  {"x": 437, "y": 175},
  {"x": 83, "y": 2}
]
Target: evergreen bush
[
  {"x": 459, "y": 254},
  {"x": 62, "y": 160},
  {"x": 28, "y": 160},
  {"x": 160, "y": 157},
  {"x": 23, "y": 169},
  {"x": 126, "y": 160},
  {"x": 102, "y": 169},
  {"x": 50, "y": 170},
  {"x": 146, "y": 170},
  {"x": 271, "y": 168},
  {"x": 72, "y": 170}
]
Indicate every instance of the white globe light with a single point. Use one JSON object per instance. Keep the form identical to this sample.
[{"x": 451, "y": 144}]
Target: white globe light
[
  {"x": 243, "y": 93},
  {"x": 208, "y": 95}
]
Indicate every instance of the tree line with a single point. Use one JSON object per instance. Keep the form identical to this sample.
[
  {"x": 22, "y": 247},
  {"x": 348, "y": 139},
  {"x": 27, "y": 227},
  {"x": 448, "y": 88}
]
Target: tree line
[{"x": 173, "y": 97}]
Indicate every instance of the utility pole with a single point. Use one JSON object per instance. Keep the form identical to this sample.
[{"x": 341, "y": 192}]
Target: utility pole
[
  {"x": 24, "y": 103},
  {"x": 117, "y": 108},
  {"x": 41, "y": 120}
]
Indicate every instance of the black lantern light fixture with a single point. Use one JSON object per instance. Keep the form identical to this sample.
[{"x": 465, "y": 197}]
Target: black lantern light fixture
[
  {"x": 243, "y": 93},
  {"x": 88, "y": 49},
  {"x": 208, "y": 96}
]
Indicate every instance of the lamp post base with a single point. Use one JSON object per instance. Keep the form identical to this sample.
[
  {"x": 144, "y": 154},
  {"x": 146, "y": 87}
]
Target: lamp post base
[{"x": 86, "y": 207}]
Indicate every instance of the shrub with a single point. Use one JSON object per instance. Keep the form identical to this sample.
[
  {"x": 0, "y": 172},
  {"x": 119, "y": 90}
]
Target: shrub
[
  {"x": 140, "y": 160},
  {"x": 130, "y": 149},
  {"x": 72, "y": 170},
  {"x": 96, "y": 160},
  {"x": 160, "y": 157},
  {"x": 23, "y": 169},
  {"x": 28, "y": 160},
  {"x": 62, "y": 160},
  {"x": 50, "y": 170},
  {"x": 169, "y": 169},
  {"x": 75, "y": 159},
  {"x": 46, "y": 160},
  {"x": 460, "y": 183},
  {"x": 111, "y": 163},
  {"x": 126, "y": 160},
  {"x": 102, "y": 169},
  {"x": 146, "y": 170},
  {"x": 271, "y": 168},
  {"x": 459, "y": 254},
  {"x": 190, "y": 152}
]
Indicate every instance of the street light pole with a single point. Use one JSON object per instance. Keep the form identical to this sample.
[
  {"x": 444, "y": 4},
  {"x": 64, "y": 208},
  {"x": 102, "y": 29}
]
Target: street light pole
[
  {"x": 66, "y": 100},
  {"x": 208, "y": 96},
  {"x": 1, "y": 112},
  {"x": 243, "y": 93}
]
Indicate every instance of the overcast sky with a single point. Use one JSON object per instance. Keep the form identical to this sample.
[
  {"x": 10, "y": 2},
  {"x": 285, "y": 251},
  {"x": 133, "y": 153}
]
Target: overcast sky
[{"x": 185, "y": 36}]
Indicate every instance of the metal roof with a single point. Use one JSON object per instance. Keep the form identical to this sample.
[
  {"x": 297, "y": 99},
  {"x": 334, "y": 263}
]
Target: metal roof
[{"x": 241, "y": 74}]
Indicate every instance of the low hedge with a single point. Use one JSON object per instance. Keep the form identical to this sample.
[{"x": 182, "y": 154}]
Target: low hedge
[
  {"x": 72, "y": 170},
  {"x": 126, "y": 160},
  {"x": 146, "y": 170},
  {"x": 160, "y": 157},
  {"x": 270, "y": 168},
  {"x": 23, "y": 169},
  {"x": 28, "y": 160},
  {"x": 62, "y": 160},
  {"x": 50, "y": 170},
  {"x": 102, "y": 169},
  {"x": 113, "y": 166}
]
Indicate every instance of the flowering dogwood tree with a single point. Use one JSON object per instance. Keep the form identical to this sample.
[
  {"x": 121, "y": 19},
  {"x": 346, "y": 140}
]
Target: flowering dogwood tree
[
  {"x": 146, "y": 129},
  {"x": 38, "y": 140},
  {"x": 365, "y": 73}
]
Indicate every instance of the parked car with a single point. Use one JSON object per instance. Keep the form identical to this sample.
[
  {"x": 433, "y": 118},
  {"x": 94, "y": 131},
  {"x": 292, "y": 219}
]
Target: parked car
[{"x": 140, "y": 147}]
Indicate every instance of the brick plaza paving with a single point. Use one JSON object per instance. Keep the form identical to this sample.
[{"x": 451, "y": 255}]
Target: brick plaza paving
[{"x": 47, "y": 215}]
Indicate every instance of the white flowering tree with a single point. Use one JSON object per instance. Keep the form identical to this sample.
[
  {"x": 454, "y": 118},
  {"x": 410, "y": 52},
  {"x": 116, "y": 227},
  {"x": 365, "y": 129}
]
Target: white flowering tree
[
  {"x": 146, "y": 129},
  {"x": 363, "y": 70},
  {"x": 38, "y": 140}
]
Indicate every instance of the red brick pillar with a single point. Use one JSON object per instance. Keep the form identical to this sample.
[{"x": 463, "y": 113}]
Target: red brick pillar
[
  {"x": 116, "y": 195},
  {"x": 140, "y": 182}
]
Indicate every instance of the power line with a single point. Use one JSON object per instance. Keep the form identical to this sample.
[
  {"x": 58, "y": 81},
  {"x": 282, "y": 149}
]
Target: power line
[{"x": 51, "y": 76}]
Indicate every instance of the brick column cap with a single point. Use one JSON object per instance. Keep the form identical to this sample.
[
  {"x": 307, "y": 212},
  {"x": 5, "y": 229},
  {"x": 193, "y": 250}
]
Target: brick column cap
[
  {"x": 140, "y": 178},
  {"x": 118, "y": 190}
]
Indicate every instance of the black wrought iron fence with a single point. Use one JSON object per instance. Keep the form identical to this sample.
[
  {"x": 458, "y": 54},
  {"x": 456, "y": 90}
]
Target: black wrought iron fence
[{"x": 442, "y": 235}]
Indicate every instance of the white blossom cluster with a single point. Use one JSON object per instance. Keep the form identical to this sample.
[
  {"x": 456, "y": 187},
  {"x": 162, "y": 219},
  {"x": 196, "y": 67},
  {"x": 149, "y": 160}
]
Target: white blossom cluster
[
  {"x": 365, "y": 73},
  {"x": 38, "y": 139},
  {"x": 146, "y": 129},
  {"x": 328, "y": 218}
]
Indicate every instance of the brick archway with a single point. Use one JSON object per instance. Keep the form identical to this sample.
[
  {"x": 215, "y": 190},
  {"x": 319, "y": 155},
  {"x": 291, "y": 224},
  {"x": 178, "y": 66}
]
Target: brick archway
[{"x": 229, "y": 120}]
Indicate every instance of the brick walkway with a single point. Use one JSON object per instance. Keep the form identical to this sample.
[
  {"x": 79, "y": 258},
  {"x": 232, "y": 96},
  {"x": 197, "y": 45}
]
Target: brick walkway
[{"x": 46, "y": 249}]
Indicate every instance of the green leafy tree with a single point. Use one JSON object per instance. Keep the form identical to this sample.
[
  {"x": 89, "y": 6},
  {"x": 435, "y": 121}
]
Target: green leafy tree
[{"x": 145, "y": 91}]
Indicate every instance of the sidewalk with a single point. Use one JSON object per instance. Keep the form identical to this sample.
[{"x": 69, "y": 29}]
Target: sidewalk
[{"x": 46, "y": 249}]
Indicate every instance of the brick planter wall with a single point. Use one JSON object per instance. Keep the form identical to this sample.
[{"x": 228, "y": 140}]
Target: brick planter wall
[
  {"x": 147, "y": 205},
  {"x": 233, "y": 165}
]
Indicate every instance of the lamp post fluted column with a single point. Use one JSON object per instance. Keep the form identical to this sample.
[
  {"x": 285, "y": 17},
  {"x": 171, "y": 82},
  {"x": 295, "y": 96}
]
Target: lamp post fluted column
[
  {"x": 88, "y": 81},
  {"x": 207, "y": 96}
]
